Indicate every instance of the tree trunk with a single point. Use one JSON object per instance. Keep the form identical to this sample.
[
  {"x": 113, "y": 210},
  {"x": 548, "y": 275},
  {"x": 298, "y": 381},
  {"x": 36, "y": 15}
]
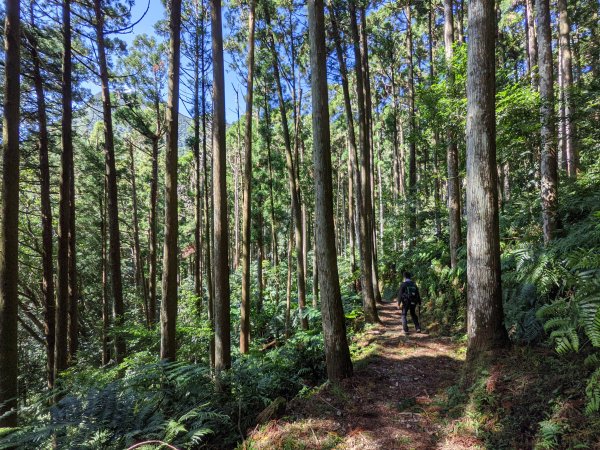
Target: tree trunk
[
  {"x": 140, "y": 280},
  {"x": 168, "y": 309},
  {"x": 73, "y": 290},
  {"x": 111, "y": 175},
  {"x": 412, "y": 149},
  {"x": 532, "y": 55},
  {"x": 366, "y": 248},
  {"x": 221, "y": 261},
  {"x": 566, "y": 70},
  {"x": 454, "y": 208},
  {"x": 337, "y": 354},
  {"x": 247, "y": 206},
  {"x": 62, "y": 268},
  {"x": 274, "y": 247},
  {"x": 485, "y": 327},
  {"x": 198, "y": 43},
  {"x": 288, "y": 291},
  {"x": 105, "y": 290},
  {"x": 549, "y": 164},
  {"x": 260, "y": 257},
  {"x": 46, "y": 211},
  {"x": 294, "y": 189},
  {"x": 152, "y": 275},
  {"x": 9, "y": 219}
]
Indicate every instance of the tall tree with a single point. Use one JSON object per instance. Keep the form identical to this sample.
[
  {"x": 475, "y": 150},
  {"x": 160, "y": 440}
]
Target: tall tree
[
  {"x": 485, "y": 327},
  {"x": 531, "y": 44},
  {"x": 45, "y": 206},
  {"x": 247, "y": 207},
  {"x": 292, "y": 169},
  {"x": 412, "y": 147},
  {"x": 451, "y": 146},
  {"x": 9, "y": 220},
  {"x": 168, "y": 309},
  {"x": 549, "y": 163},
  {"x": 64, "y": 220},
  {"x": 221, "y": 230},
  {"x": 114, "y": 235},
  {"x": 566, "y": 71},
  {"x": 366, "y": 250},
  {"x": 337, "y": 354}
]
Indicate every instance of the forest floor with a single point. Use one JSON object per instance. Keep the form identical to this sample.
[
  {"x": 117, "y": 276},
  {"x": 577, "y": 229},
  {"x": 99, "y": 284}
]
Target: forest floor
[{"x": 394, "y": 400}]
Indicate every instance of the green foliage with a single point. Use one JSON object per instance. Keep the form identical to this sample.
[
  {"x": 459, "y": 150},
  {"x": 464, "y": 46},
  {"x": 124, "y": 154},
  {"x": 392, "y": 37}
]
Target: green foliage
[{"x": 173, "y": 402}]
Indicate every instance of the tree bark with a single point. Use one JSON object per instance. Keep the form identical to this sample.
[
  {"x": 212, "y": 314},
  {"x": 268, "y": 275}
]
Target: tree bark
[
  {"x": 9, "y": 220},
  {"x": 366, "y": 248},
  {"x": 152, "y": 254},
  {"x": 168, "y": 309},
  {"x": 549, "y": 163},
  {"x": 337, "y": 354},
  {"x": 111, "y": 175},
  {"x": 247, "y": 206},
  {"x": 105, "y": 290},
  {"x": 221, "y": 246},
  {"x": 73, "y": 289},
  {"x": 294, "y": 189},
  {"x": 46, "y": 211},
  {"x": 532, "y": 55},
  {"x": 66, "y": 160},
  {"x": 140, "y": 279},
  {"x": 566, "y": 70},
  {"x": 485, "y": 327},
  {"x": 412, "y": 148},
  {"x": 454, "y": 208}
]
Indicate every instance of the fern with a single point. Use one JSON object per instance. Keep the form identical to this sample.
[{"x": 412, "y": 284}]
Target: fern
[{"x": 592, "y": 392}]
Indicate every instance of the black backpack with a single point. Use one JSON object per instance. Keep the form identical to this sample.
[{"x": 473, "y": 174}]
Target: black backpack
[{"x": 411, "y": 296}]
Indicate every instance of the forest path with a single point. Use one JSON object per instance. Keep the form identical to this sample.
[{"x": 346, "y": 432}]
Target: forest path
[{"x": 394, "y": 400}]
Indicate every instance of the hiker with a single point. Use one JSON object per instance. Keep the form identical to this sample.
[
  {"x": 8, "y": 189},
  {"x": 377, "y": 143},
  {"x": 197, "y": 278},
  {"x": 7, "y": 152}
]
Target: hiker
[{"x": 409, "y": 298}]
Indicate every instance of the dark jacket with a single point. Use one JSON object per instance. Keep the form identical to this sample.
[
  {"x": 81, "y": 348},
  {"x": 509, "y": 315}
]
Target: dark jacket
[{"x": 402, "y": 291}]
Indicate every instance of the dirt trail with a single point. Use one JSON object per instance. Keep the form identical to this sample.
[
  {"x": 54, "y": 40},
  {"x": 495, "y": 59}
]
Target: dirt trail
[{"x": 392, "y": 402}]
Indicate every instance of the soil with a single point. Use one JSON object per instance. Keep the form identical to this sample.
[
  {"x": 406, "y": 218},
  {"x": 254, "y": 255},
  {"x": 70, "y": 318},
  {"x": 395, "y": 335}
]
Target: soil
[{"x": 392, "y": 402}]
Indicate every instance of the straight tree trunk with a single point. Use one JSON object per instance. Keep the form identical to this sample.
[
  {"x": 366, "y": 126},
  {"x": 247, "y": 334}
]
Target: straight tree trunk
[
  {"x": 366, "y": 249},
  {"x": 566, "y": 70},
  {"x": 168, "y": 309},
  {"x": 294, "y": 189},
  {"x": 46, "y": 211},
  {"x": 454, "y": 208},
  {"x": 364, "y": 64},
  {"x": 247, "y": 206},
  {"x": 412, "y": 149},
  {"x": 274, "y": 247},
  {"x": 549, "y": 162},
  {"x": 66, "y": 160},
  {"x": 288, "y": 291},
  {"x": 532, "y": 55},
  {"x": 152, "y": 275},
  {"x": 260, "y": 257},
  {"x": 139, "y": 265},
  {"x": 485, "y": 327},
  {"x": 221, "y": 246},
  {"x": 461, "y": 21},
  {"x": 208, "y": 236},
  {"x": 111, "y": 174},
  {"x": 198, "y": 43},
  {"x": 105, "y": 290},
  {"x": 337, "y": 354},
  {"x": 9, "y": 220},
  {"x": 73, "y": 290}
]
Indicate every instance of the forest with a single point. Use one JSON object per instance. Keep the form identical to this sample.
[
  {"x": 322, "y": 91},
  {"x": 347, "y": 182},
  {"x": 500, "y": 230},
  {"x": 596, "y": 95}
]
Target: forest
[{"x": 204, "y": 226}]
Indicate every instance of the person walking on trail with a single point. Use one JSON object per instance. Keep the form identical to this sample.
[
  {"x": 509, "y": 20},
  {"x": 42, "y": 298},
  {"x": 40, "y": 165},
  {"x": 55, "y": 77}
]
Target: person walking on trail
[{"x": 408, "y": 300}]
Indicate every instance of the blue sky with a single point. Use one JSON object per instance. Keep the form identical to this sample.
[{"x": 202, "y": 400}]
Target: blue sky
[{"x": 156, "y": 12}]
